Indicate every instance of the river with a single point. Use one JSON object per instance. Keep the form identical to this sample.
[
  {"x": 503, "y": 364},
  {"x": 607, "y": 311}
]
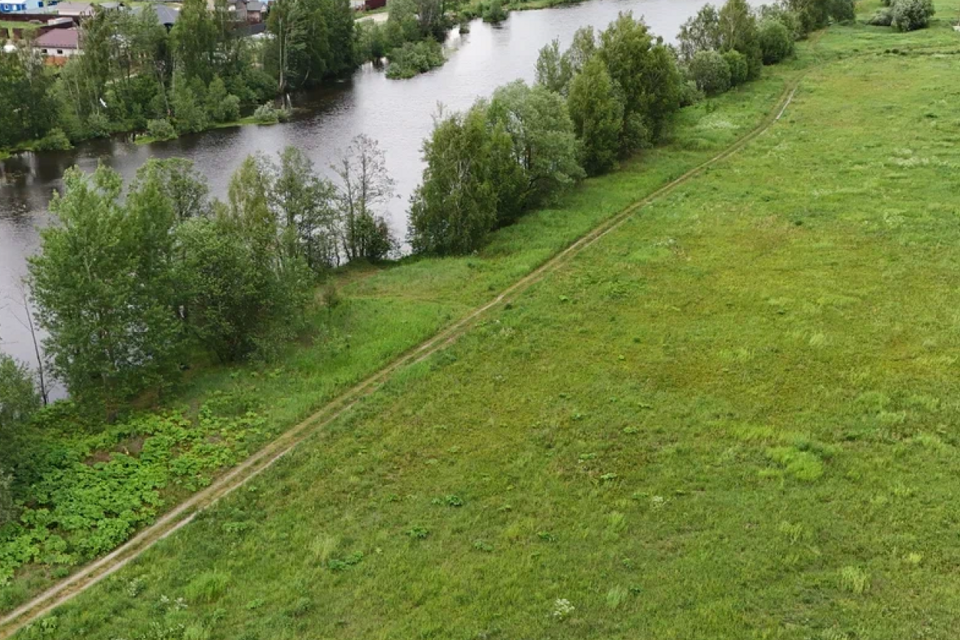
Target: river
[{"x": 397, "y": 113}]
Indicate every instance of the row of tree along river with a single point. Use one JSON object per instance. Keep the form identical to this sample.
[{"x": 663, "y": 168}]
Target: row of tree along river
[{"x": 398, "y": 114}]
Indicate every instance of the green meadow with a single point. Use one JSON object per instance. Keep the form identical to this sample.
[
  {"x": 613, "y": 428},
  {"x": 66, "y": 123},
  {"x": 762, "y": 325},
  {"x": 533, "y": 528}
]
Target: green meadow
[{"x": 733, "y": 416}]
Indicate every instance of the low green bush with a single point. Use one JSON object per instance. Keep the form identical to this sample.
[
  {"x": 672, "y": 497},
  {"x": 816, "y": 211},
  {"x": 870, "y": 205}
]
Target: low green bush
[
  {"x": 910, "y": 15},
  {"x": 710, "y": 72},
  {"x": 882, "y": 18},
  {"x": 55, "y": 140},
  {"x": 739, "y": 67},
  {"x": 161, "y": 129},
  {"x": 88, "y": 494},
  {"x": 414, "y": 58},
  {"x": 776, "y": 41}
]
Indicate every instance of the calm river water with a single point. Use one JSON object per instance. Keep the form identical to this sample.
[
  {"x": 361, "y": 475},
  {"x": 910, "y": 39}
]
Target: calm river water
[{"x": 396, "y": 113}]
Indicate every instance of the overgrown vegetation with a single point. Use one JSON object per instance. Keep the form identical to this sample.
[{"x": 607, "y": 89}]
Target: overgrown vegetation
[
  {"x": 575, "y": 447},
  {"x": 729, "y": 400}
]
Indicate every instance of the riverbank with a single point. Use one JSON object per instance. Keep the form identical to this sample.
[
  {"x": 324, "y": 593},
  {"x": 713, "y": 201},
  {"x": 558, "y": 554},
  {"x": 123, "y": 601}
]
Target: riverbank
[
  {"x": 389, "y": 309},
  {"x": 723, "y": 358}
]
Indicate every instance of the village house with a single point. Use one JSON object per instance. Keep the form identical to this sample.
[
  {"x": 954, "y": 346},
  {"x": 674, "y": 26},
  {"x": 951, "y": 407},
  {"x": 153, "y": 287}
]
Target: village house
[
  {"x": 58, "y": 45},
  {"x": 15, "y": 6}
]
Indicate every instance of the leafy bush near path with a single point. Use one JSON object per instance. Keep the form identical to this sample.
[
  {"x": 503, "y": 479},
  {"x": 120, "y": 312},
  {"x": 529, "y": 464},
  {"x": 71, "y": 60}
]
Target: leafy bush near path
[
  {"x": 89, "y": 493},
  {"x": 776, "y": 41},
  {"x": 710, "y": 71},
  {"x": 910, "y": 15}
]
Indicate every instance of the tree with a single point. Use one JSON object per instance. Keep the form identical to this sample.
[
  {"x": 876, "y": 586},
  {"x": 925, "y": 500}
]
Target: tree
[
  {"x": 738, "y": 32},
  {"x": 27, "y": 110},
  {"x": 710, "y": 71},
  {"x": 456, "y": 206},
  {"x": 646, "y": 73},
  {"x": 18, "y": 396},
  {"x": 739, "y": 68},
  {"x": 304, "y": 204},
  {"x": 776, "y": 41},
  {"x": 910, "y": 15},
  {"x": 700, "y": 33},
  {"x": 221, "y": 106},
  {"x": 596, "y": 109},
  {"x": 552, "y": 71},
  {"x": 544, "y": 144},
  {"x": 364, "y": 186},
  {"x": 178, "y": 180},
  {"x": 188, "y": 110},
  {"x": 194, "y": 39},
  {"x": 101, "y": 290},
  {"x": 18, "y": 400}
]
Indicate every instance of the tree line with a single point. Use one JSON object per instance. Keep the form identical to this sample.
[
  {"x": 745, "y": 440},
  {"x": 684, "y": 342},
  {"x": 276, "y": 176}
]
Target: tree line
[
  {"x": 607, "y": 96},
  {"x": 134, "y": 284},
  {"x": 134, "y": 75}
]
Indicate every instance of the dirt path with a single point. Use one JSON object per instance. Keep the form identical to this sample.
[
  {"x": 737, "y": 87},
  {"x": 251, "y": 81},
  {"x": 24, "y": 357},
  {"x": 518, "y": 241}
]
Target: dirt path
[{"x": 264, "y": 458}]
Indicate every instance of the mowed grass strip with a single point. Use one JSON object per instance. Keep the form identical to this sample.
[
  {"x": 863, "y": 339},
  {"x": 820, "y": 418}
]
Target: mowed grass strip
[{"x": 733, "y": 417}]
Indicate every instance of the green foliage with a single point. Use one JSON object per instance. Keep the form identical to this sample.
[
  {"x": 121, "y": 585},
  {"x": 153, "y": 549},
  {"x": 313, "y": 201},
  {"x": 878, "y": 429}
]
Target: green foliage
[
  {"x": 544, "y": 143},
  {"x": 596, "y": 109},
  {"x": 188, "y": 107},
  {"x": 161, "y": 129},
  {"x": 710, "y": 71},
  {"x": 266, "y": 113},
  {"x": 910, "y": 15},
  {"x": 700, "y": 33},
  {"x": 364, "y": 186},
  {"x": 101, "y": 289},
  {"x": 102, "y": 487},
  {"x": 552, "y": 71},
  {"x": 646, "y": 73},
  {"x": 221, "y": 106},
  {"x": 18, "y": 398},
  {"x": 55, "y": 140},
  {"x": 739, "y": 67},
  {"x": 27, "y": 108},
  {"x": 456, "y": 206},
  {"x": 882, "y": 18},
  {"x": 414, "y": 58},
  {"x": 776, "y": 41},
  {"x": 738, "y": 32},
  {"x": 494, "y": 12}
]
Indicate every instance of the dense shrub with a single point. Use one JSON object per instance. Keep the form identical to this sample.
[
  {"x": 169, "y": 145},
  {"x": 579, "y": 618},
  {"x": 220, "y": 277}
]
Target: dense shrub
[
  {"x": 596, "y": 109},
  {"x": 55, "y": 140},
  {"x": 413, "y": 58},
  {"x": 776, "y": 41},
  {"x": 710, "y": 71},
  {"x": 882, "y": 18},
  {"x": 494, "y": 12},
  {"x": 266, "y": 114},
  {"x": 739, "y": 67},
  {"x": 910, "y": 15},
  {"x": 161, "y": 129},
  {"x": 842, "y": 10}
]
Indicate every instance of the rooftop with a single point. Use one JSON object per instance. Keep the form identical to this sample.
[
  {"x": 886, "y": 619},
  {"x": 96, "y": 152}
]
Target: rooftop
[{"x": 59, "y": 39}]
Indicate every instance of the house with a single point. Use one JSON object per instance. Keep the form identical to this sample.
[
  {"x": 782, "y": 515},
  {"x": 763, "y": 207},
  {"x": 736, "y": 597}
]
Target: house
[
  {"x": 58, "y": 45},
  {"x": 13, "y": 6},
  {"x": 75, "y": 9},
  {"x": 166, "y": 16},
  {"x": 254, "y": 12}
]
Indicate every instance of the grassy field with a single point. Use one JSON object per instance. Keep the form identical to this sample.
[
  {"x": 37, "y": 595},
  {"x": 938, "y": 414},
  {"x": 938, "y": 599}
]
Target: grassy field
[{"x": 732, "y": 417}]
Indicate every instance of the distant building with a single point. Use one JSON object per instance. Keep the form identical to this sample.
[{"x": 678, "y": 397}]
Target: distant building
[
  {"x": 75, "y": 9},
  {"x": 58, "y": 45},
  {"x": 13, "y": 6},
  {"x": 166, "y": 16}
]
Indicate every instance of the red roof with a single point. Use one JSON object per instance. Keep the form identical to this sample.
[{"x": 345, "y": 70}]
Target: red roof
[{"x": 59, "y": 39}]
